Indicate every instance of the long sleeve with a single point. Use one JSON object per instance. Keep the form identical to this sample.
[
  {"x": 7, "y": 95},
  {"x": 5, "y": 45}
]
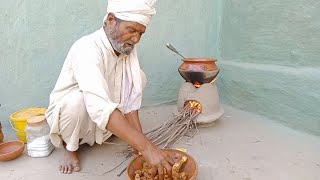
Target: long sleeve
[{"x": 88, "y": 69}]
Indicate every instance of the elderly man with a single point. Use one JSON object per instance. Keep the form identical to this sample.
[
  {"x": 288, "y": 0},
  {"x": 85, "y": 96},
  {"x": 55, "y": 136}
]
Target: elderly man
[{"x": 99, "y": 90}]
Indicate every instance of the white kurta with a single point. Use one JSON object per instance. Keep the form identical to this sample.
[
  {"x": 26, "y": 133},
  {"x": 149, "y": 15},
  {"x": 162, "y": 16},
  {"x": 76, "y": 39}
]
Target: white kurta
[{"x": 93, "y": 82}]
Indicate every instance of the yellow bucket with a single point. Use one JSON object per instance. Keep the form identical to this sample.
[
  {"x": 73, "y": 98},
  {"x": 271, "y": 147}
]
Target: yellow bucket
[{"x": 18, "y": 120}]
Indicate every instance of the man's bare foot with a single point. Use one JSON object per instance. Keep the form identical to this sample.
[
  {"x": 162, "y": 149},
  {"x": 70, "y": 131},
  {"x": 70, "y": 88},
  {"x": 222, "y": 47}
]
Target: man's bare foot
[{"x": 70, "y": 162}]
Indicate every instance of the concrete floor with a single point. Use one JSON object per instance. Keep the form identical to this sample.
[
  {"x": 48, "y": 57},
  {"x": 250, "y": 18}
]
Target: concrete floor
[{"x": 240, "y": 146}]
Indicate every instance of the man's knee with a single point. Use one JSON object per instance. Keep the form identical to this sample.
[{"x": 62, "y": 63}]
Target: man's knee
[{"x": 73, "y": 106}]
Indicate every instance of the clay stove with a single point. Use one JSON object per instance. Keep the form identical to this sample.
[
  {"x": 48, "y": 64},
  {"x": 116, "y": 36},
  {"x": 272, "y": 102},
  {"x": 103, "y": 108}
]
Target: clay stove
[{"x": 200, "y": 75}]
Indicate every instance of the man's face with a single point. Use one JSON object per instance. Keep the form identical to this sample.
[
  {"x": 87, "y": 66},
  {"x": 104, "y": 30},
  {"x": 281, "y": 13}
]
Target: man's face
[{"x": 123, "y": 35}]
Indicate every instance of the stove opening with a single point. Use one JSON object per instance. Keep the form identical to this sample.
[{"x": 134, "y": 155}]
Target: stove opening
[
  {"x": 196, "y": 84},
  {"x": 193, "y": 105}
]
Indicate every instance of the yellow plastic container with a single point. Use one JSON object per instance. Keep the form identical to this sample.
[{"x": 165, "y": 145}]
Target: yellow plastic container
[{"x": 18, "y": 120}]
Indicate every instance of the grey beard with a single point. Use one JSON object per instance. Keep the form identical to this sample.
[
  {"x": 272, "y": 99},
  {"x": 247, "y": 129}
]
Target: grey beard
[{"x": 120, "y": 47}]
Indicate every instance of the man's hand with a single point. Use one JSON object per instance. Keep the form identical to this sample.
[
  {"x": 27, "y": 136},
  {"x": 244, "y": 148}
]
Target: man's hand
[
  {"x": 120, "y": 126},
  {"x": 158, "y": 160}
]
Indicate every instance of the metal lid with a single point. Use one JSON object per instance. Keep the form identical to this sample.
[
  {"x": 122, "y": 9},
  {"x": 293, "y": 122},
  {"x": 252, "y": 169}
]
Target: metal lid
[{"x": 36, "y": 119}]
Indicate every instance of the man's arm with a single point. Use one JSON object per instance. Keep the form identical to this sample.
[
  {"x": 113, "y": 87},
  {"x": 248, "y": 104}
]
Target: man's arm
[
  {"x": 120, "y": 127},
  {"x": 133, "y": 118}
]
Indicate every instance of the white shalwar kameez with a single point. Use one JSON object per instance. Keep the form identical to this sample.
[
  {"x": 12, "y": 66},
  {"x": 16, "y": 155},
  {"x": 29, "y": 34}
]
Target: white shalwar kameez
[{"x": 93, "y": 82}]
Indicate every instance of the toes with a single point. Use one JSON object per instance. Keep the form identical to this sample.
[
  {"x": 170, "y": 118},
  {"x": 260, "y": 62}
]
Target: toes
[
  {"x": 65, "y": 169},
  {"x": 76, "y": 168},
  {"x": 69, "y": 169},
  {"x": 62, "y": 169}
]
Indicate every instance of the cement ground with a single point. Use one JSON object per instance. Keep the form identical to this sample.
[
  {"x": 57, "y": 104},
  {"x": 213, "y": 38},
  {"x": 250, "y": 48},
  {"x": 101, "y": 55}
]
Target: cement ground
[{"x": 239, "y": 146}]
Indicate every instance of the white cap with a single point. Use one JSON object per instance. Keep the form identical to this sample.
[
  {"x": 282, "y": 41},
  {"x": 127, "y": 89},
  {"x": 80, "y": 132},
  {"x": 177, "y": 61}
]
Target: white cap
[{"x": 139, "y": 11}]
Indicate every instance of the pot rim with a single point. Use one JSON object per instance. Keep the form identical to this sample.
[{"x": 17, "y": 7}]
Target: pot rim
[{"x": 201, "y": 59}]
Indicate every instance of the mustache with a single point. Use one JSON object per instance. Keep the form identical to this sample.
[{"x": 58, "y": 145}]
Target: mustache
[{"x": 129, "y": 43}]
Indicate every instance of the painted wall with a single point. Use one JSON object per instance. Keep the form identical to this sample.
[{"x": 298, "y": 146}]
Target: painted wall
[
  {"x": 35, "y": 38},
  {"x": 270, "y": 60}
]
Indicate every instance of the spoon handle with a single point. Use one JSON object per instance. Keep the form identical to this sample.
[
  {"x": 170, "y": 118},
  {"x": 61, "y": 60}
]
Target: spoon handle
[{"x": 173, "y": 49}]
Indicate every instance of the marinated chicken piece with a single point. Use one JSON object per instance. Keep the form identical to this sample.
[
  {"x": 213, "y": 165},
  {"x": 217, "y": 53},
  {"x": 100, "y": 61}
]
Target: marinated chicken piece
[
  {"x": 138, "y": 172},
  {"x": 176, "y": 167},
  {"x": 137, "y": 177},
  {"x": 145, "y": 167},
  {"x": 166, "y": 177},
  {"x": 183, "y": 176},
  {"x": 146, "y": 172}
]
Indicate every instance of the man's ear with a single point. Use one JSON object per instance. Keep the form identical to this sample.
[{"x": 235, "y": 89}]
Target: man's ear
[{"x": 110, "y": 21}]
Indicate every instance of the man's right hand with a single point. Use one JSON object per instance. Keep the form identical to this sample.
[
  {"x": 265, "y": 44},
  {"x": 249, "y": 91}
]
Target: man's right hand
[{"x": 158, "y": 160}]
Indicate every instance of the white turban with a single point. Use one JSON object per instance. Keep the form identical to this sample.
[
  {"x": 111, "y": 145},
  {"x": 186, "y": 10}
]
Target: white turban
[{"x": 139, "y": 11}]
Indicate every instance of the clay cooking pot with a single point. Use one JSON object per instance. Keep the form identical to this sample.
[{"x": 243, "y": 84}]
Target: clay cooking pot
[{"x": 198, "y": 70}]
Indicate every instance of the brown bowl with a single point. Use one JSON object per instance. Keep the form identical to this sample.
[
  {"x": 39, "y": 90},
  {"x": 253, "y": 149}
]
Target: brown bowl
[
  {"x": 11, "y": 150},
  {"x": 190, "y": 167}
]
